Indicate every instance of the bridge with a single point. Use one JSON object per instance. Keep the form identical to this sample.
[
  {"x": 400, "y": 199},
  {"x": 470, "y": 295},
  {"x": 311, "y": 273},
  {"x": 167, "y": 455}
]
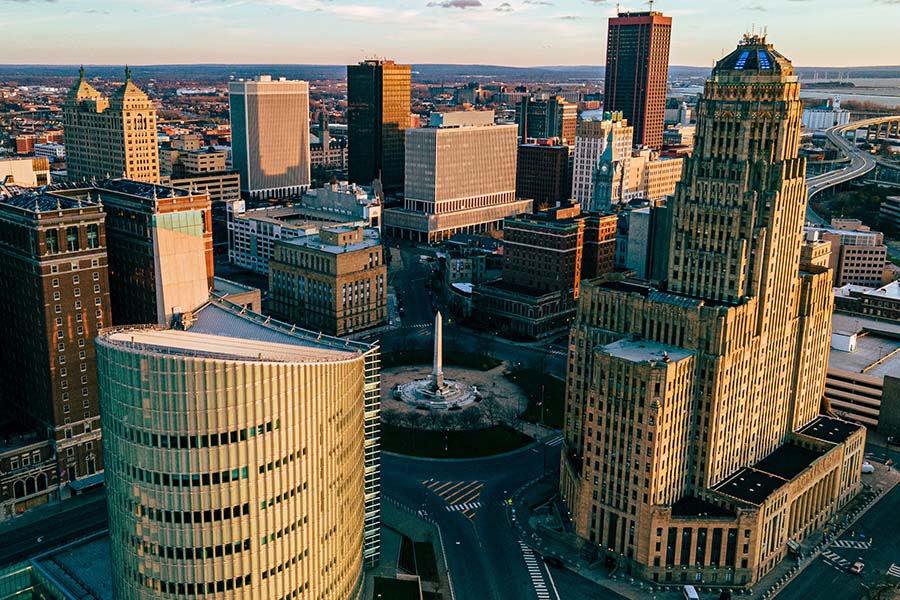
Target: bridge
[{"x": 861, "y": 162}]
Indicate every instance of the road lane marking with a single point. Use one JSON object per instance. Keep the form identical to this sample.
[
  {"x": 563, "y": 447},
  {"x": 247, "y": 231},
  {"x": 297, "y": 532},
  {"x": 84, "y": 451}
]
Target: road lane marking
[
  {"x": 536, "y": 575},
  {"x": 852, "y": 544},
  {"x": 894, "y": 570},
  {"x": 556, "y": 441}
]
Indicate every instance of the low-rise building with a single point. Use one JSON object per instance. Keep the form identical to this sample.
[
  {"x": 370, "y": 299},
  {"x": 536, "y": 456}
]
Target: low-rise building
[
  {"x": 334, "y": 281},
  {"x": 889, "y": 212},
  {"x": 50, "y": 150},
  {"x": 874, "y": 303},
  {"x": 864, "y": 356},
  {"x": 858, "y": 254}
]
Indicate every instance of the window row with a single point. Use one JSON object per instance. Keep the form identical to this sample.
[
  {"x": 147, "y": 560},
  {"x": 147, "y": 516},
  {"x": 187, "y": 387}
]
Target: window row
[
  {"x": 185, "y": 442},
  {"x": 192, "y": 516}
]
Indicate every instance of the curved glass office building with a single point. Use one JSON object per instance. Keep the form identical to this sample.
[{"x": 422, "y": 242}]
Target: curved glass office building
[{"x": 237, "y": 460}]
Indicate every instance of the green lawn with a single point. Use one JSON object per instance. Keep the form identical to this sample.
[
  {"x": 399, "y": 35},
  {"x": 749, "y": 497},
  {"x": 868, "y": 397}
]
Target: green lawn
[
  {"x": 537, "y": 386},
  {"x": 452, "y": 444}
]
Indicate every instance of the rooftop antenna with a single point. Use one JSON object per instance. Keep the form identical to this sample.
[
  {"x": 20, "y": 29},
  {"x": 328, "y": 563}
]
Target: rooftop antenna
[{"x": 651, "y": 5}]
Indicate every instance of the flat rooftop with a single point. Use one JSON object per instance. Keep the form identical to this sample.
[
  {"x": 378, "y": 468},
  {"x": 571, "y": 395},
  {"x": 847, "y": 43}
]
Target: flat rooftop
[
  {"x": 787, "y": 461},
  {"x": 313, "y": 242},
  {"x": 829, "y": 429},
  {"x": 229, "y": 287},
  {"x": 689, "y": 506},
  {"x": 871, "y": 349},
  {"x": 639, "y": 351},
  {"x": 81, "y": 570},
  {"x": 750, "y": 485},
  {"x": 189, "y": 343}
]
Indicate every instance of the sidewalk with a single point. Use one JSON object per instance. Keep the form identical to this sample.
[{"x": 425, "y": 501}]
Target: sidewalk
[
  {"x": 54, "y": 508},
  {"x": 399, "y": 519},
  {"x": 549, "y": 541}
]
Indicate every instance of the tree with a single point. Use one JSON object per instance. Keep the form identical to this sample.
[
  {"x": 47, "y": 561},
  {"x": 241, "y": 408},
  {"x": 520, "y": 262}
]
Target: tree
[{"x": 470, "y": 418}]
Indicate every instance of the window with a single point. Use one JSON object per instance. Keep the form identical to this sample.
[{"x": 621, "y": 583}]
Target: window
[
  {"x": 96, "y": 275},
  {"x": 93, "y": 236},
  {"x": 77, "y": 303},
  {"x": 63, "y": 372},
  {"x": 54, "y": 268},
  {"x": 56, "y": 296},
  {"x": 96, "y": 289},
  {"x": 26, "y": 461},
  {"x": 71, "y": 239},
  {"x": 77, "y": 292},
  {"x": 55, "y": 282},
  {"x": 75, "y": 279},
  {"x": 51, "y": 238}
]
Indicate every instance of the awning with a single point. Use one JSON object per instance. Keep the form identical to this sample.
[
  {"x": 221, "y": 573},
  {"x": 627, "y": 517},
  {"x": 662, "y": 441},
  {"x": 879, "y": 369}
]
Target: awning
[{"x": 86, "y": 482}]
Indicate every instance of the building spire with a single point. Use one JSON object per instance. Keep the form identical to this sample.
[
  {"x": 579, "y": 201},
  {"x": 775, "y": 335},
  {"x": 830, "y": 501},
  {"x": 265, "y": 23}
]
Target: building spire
[
  {"x": 81, "y": 74},
  {"x": 127, "y": 74}
]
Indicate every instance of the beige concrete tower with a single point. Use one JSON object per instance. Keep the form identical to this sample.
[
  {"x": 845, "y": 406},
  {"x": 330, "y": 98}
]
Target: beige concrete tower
[
  {"x": 695, "y": 451},
  {"x": 110, "y": 137},
  {"x": 238, "y": 452}
]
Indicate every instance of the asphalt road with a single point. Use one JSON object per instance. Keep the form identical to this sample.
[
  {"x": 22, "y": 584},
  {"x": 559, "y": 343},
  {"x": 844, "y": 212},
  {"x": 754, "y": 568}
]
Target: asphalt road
[
  {"x": 54, "y": 529},
  {"x": 483, "y": 553},
  {"x": 828, "y": 576}
]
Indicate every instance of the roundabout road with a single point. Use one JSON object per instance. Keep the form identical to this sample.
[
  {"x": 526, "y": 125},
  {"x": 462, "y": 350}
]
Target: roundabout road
[{"x": 467, "y": 500}]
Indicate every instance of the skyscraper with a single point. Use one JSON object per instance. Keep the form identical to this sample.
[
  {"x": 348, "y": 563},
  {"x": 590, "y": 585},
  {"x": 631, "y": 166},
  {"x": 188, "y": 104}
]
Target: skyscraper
[
  {"x": 637, "y": 65},
  {"x": 242, "y": 458},
  {"x": 547, "y": 117},
  {"x": 378, "y": 109},
  {"x": 55, "y": 294},
  {"x": 695, "y": 450},
  {"x": 601, "y": 162},
  {"x": 110, "y": 137},
  {"x": 270, "y": 136}
]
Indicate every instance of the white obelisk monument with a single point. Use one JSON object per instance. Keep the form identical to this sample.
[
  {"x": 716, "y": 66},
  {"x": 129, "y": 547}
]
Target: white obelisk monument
[{"x": 437, "y": 373}]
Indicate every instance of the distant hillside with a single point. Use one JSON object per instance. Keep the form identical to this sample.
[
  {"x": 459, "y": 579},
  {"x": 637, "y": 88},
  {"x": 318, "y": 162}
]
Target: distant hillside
[{"x": 430, "y": 73}]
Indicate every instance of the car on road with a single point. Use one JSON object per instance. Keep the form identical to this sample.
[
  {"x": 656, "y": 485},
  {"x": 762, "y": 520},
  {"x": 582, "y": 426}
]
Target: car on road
[
  {"x": 856, "y": 568},
  {"x": 867, "y": 467},
  {"x": 553, "y": 562}
]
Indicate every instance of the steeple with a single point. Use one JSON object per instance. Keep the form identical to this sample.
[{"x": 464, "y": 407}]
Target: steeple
[{"x": 127, "y": 74}]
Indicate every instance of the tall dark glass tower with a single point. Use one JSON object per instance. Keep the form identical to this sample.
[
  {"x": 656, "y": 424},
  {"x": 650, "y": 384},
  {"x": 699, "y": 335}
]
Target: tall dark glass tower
[
  {"x": 378, "y": 93},
  {"x": 637, "y": 66}
]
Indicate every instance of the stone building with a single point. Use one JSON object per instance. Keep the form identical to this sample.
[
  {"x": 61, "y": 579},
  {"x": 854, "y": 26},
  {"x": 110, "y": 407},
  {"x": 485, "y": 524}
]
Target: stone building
[
  {"x": 110, "y": 137},
  {"x": 694, "y": 447},
  {"x": 334, "y": 281}
]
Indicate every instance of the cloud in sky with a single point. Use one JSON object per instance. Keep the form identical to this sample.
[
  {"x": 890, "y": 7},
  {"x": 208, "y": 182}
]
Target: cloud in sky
[
  {"x": 457, "y": 4},
  {"x": 480, "y": 31}
]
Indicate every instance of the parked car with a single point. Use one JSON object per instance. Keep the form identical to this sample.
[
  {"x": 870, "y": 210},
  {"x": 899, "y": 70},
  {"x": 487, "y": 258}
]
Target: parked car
[
  {"x": 857, "y": 567},
  {"x": 867, "y": 467}
]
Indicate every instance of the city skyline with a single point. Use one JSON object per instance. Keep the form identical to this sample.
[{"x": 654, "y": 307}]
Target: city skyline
[{"x": 502, "y": 32}]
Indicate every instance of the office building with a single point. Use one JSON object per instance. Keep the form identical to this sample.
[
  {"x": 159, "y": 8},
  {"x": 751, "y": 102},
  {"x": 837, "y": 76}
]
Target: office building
[
  {"x": 329, "y": 155},
  {"x": 543, "y": 256},
  {"x": 334, "y": 281},
  {"x": 694, "y": 449},
  {"x": 110, "y": 137},
  {"x": 270, "y": 136},
  {"x": 876, "y": 303},
  {"x": 601, "y": 162},
  {"x": 637, "y": 72},
  {"x": 50, "y": 150},
  {"x": 25, "y": 172},
  {"x": 546, "y": 117},
  {"x": 252, "y": 233},
  {"x": 242, "y": 458},
  {"x": 858, "y": 254},
  {"x": 544, "y": 172},
  {"x": 651, "y": 176},
  {"x": 598, "y": 256},
  {"x": 378, "y": 109},
  {"x": 53, "y": 261},
  {"x": 460, "y": 177}
]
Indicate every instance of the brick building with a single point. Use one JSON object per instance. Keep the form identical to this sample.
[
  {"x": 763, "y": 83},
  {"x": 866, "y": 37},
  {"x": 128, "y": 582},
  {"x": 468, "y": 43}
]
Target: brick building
[{"x": 334, "y": 281}]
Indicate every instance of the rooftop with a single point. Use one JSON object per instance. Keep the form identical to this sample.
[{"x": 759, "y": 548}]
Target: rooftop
[
  {"x": 313, "y": 242},
  {"x": 688, "y": 506},
  {"x": 223, "y": 330},
  {"x": 787, "y": 461},
  {"x": 875, "y": 355},
  {"x": 229, "y": 287},
  {"x": 750, "y": 485},
  {"x": 829, "y": 429},
  {"x": 639, "y": 351}
]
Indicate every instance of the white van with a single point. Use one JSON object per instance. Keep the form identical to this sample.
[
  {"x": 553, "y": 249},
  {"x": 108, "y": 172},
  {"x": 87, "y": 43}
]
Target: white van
[{"x": 690, "y": 593}]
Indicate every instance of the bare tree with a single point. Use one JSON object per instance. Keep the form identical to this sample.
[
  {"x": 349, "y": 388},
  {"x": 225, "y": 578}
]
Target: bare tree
[{"x": 470, "y": 418}]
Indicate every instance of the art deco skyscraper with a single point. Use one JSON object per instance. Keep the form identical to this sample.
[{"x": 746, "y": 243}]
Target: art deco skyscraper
[
  {"x": 241, "y": 458},
  {"x": 110, "y": 137},
  {"x": 637, "y": 65},
  {"x": 378, "y": 97},
  {"x": 270, "y": 136},
  {"x": 695, "y": 448}
]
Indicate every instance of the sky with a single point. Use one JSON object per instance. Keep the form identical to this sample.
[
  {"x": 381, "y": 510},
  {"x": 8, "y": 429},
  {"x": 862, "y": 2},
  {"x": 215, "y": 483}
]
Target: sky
[{"x": 826, "y": 33}]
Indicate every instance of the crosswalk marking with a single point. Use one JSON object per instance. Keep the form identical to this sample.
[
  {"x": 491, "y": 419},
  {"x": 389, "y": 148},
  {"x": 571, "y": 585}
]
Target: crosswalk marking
[
  {"x": 894, "y": 570},
  {"x": 555, "y": 441},
  {"x": 463, "y": 507},
  {"x": 534, "y": 572},
  {"x": 460, "y": 496},
  {"x": 852, "y": 544},
  {"x": 836, "y": 559}
]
